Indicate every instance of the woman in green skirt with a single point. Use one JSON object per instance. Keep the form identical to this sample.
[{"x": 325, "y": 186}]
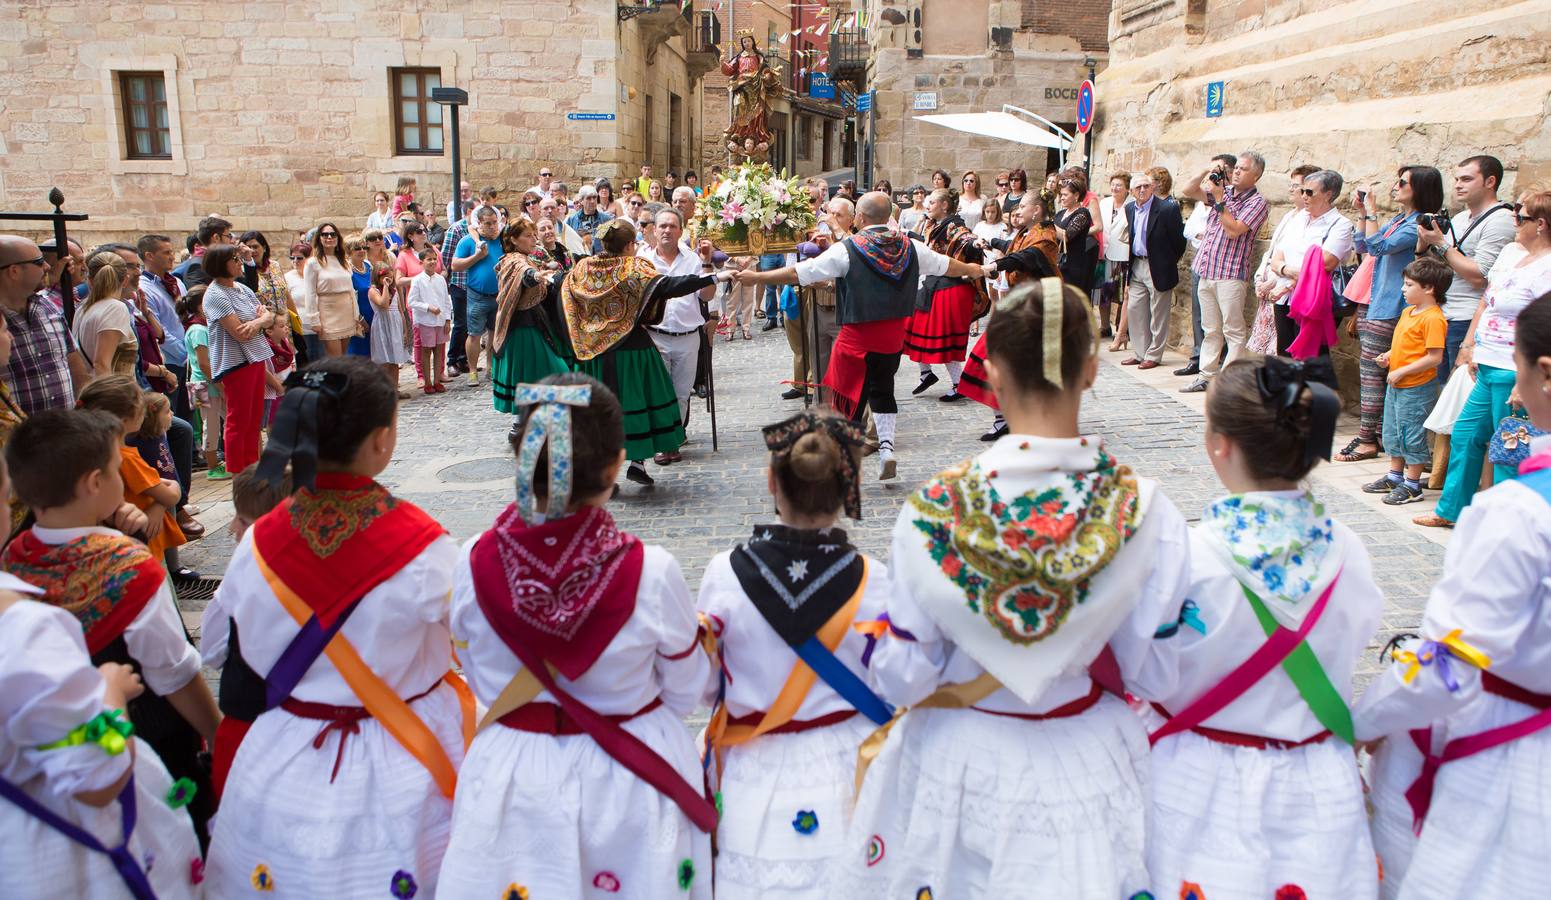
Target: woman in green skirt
[
  {"x": 608, "y": 300},
  {"x": 525, "y": 349}
]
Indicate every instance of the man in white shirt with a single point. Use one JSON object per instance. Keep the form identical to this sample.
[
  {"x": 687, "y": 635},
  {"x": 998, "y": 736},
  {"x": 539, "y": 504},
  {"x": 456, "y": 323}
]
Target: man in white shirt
[
  {"x": 545, "y": 187},
  {"x": 551, "y": 209},
  {"x": 677, "y": 336},
  {"x": 874, "y": 300},
  {"x": 465, "y": 198}
]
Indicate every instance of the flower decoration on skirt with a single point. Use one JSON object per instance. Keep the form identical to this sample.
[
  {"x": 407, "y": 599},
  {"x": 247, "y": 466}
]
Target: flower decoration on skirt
[
  {"x": 875, "y": 850},
  {"x": 606, "y": 881},
  {"x": 403, "y": 885},
  {"x": 181, "y": 793},
  {"x": 806, "y": 822},
  {"x": 1291, "y": 892},
  {"x": 262, "y": 880},
  {"x": 1143, "y": 895},
  {"x": 686, "y": 873},
  {"x": 924, "y": 892},
  {"x": 1189, "y": 890},
  {"x": 515, "y": 891},
  {"x": 196, "y": 871}
]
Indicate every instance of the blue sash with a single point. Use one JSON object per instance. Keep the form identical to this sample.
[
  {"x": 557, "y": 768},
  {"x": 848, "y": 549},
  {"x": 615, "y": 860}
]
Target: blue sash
[{"x": 844, "y": 682}]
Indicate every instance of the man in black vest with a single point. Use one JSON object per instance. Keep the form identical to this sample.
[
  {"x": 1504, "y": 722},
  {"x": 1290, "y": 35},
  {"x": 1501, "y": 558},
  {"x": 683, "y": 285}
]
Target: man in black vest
[{"x": 876, "y": 272}]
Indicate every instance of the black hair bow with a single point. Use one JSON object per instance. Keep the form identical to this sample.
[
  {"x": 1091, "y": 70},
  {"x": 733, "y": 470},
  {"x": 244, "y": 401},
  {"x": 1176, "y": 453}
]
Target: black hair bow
[
  {"x": 293, "y": 438},
  {"x": 780, "y": 437},
  {"x": 1281, "y": 382}
]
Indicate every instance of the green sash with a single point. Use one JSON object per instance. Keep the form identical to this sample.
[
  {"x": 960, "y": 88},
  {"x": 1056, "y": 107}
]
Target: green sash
[{"x": 1308, "y": 676}]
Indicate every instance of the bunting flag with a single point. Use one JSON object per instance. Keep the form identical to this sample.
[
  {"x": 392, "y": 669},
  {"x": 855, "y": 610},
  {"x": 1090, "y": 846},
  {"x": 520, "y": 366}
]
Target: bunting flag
[
  {"x": 783, "y": 39},
  {"x": 822, "y": 27}
]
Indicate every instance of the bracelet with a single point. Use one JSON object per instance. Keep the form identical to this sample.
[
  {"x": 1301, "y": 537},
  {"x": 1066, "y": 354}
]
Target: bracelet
[{"x": 105, "y": 729}]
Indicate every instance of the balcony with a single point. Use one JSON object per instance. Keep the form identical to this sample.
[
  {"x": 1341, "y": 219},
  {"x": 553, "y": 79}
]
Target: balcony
[
  {"x": 848, "y": 56},
  {"x": 703, "y": 50},
  {"x": 658, "y": 20}
]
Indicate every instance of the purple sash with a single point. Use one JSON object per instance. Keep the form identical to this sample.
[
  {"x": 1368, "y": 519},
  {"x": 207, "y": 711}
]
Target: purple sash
[{"x": 129, "y": 870}]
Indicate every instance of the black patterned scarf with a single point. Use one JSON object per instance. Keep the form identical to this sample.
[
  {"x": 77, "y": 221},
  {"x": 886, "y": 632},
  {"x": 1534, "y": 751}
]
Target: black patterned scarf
[{"x": 797, "y": 578}]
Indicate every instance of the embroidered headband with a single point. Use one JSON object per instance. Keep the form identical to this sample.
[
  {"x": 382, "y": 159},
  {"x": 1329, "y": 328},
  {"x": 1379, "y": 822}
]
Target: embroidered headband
[
  {"x": 550, "y": 421},
  {"x": 1282, "y": 382},
  {"x": 1052, "y": 297},
  {"x": 780, "y": 437},
  {"x": 293, "y": 438}
]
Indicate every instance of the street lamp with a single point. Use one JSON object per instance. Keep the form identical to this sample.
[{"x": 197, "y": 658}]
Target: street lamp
[{"x": 454, "y": 98}]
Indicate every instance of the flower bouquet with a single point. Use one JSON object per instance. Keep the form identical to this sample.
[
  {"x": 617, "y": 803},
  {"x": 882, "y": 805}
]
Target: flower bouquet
[{"x": 756, "y": 211}]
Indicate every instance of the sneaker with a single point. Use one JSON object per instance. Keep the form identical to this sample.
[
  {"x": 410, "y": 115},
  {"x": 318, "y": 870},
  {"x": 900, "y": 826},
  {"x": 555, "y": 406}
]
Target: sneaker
[
  {"x": 888, "y": 468},
  {"x": 218, "y": 473},
  {"x": 473, "y": 379},
  {"x": 1194, "y": 387},
  {"x": 927, "y": 380},
  {"x": 1382, "y": 486},
  {"x": 637, "y": 473},
  {"x": 1401, "y": 495}
]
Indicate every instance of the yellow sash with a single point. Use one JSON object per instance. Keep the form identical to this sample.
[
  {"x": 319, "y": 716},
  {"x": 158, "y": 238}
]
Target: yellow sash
[
  {"x": 381, "y": 701},
  {"x": 949, "y": 696}
]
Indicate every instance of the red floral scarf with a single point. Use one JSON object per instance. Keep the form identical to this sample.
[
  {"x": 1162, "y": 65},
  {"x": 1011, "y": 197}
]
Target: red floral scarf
[
  {"x": 561, "y": 590},
  {"x": 104, "y": 580}
]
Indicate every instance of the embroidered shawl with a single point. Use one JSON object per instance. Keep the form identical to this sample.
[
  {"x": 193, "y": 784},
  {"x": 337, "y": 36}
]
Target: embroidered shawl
[
  {"x": 566, "y": 587},
  {"x": 104, "y": 580},
  {"x": 1041, "y": 236},
  {"x": 332, "y": 543},
  {"x": 886, "y": 252},
  {"x": 1281, "y": 548},
  {"x": 514, "y": 296},
  {"x": 797, "y": 578},
  {"x": 1014, "y": 581},
  {"x": 603, "y": 298}
]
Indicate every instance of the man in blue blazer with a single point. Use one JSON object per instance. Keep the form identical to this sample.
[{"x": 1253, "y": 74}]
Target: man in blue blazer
[{"x": 1157, "y": 242}]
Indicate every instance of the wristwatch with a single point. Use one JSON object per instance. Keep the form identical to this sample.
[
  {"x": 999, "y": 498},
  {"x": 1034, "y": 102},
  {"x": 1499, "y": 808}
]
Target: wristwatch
[{"x": 1370, "y": 218}]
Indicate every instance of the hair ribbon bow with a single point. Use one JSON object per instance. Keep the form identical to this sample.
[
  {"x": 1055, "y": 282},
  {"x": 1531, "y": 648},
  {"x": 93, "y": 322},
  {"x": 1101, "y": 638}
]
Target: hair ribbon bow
[
  {"x": 780, "y": 437},
  {"x": 293, "y": 438},
  {"x": 549, "y": 422},
  {"x": 1282, "y": 381}
]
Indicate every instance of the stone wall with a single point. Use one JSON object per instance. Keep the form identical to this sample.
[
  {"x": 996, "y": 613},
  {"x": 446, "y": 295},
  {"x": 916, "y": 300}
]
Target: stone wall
[
  {"x": 281, "y": 112},
  {"x": 1355, "y": 86}
]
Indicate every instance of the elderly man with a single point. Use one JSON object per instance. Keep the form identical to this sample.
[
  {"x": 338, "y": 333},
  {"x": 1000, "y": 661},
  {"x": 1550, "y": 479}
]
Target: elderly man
[
  {"x": 677, "y": 336},
  {"x": 552, "y": 209},
  {"x": 684, "y": 201},
  {"x": 876, "y": 272},
  {"x": 1157, "y": 243},
  {"x": 465, "y": 200},
  {"x": 813, "y": 333},
  {"x": 585, "y": 221},
  {"x": 74, "y": 259},
  {"x": 545, "y": 187},
  {"x": 1235, "y": 212},
  {"x": 45, "y": 367}
]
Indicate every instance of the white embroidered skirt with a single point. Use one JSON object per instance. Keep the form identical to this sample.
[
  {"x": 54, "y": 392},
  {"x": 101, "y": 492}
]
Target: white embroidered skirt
[
  {"x": 1241, "y": 822},
  {"x": 382, "y": 814},
  {"x": 559, "y": 818},
  {"x": 965, "y": 804},
  {"x": 1488, "y": 832},
  {"x": 38, "y": 862},
  {"x": 786, "y": 802}
]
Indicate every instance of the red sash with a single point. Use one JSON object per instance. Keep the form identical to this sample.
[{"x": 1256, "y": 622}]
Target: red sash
[
  {"x": 332, "y": 544},
  {"x": 104, "y": 580}
]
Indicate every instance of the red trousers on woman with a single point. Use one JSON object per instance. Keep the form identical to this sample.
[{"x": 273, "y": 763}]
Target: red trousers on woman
[{"x": 244, "y": 389}]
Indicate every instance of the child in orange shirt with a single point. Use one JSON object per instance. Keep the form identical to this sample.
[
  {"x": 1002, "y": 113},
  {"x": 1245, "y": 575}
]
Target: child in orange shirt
[
  {"x": 154, "y": 495},
  {"x": 1413, "y": 358}
]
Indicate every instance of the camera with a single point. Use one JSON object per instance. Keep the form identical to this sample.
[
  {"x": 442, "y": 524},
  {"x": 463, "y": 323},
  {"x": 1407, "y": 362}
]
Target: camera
[
  {"x": 1438, "y": 221},
  {"x": 1215, "y": 176}
]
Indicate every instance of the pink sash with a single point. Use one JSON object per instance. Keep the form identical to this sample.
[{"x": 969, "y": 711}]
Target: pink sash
[{"x": 1277, "y": 648}]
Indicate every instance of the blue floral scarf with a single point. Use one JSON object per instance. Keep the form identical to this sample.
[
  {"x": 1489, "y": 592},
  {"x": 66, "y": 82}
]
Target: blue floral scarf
[{"x": 1278, "y": 545}]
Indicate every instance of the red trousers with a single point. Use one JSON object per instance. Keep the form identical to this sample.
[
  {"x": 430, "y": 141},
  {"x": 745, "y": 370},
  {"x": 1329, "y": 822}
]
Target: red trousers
[{"x": 244, "y": 390}]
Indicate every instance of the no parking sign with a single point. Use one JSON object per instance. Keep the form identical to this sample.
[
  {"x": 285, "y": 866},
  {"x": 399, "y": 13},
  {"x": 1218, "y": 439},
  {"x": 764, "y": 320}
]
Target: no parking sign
[{"x": 1085, "y": 107}]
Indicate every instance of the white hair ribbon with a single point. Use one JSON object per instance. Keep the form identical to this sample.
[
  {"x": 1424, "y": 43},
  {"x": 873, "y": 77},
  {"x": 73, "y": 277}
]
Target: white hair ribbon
[{"x": 1050, "y": 290}]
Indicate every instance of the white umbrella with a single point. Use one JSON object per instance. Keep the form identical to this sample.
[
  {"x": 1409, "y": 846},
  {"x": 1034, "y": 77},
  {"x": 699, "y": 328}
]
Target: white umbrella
[{"x": 1004, "y": 126}]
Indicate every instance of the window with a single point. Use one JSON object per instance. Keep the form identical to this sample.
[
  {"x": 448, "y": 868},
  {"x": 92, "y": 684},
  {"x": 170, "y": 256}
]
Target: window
[
  {"x": 804, "y": 137},
  {"x": 417, "y": 119},
  {"x": 650, "y": 113},
  {"x": 147, "y": 129},
  {"x": 675, "y": 134}
]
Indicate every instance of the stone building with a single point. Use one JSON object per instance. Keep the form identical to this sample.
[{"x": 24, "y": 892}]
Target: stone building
[
  {"x": 1333, "y": 83},
  {"x": 278, "y": 114},
  {"x": 963, "y": 56}
]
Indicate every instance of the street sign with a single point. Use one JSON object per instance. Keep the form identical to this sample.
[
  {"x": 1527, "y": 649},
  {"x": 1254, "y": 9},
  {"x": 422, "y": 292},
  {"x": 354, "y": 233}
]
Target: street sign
[
  {"x": 864, "y": 102},
  {"x": 1085, "y": 107},
  {"x": 1214, "y": 99},
  {"x": 821, "y": 88},
  {"x": 590, "y": 117},
  {"x": 926, "y": 100}
]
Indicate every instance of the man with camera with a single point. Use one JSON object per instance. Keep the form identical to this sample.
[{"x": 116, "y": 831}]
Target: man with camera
[
  {"x": 1235, "y": 212},
  {"x": 1469, "y": 244}
]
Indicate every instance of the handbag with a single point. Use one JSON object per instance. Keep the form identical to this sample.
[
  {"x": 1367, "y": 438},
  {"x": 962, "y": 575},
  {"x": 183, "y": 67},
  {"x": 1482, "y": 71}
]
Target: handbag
[
  {"x": 1340, "y": 277},
  {"x": 1510, "y": 444},
  {"x": 1450, "y": 401}
]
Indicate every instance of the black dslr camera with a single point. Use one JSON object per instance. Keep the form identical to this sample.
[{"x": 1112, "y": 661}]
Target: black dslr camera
[
  {"x": 1215, "y": 175},
  {"x": 1438, "y": 221}
]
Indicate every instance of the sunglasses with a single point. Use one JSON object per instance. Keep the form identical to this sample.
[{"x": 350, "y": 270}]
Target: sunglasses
[
  {"x": 528, "y": 203},
  {"x": 295, "y": 258},
  {"x": 27, "y": 262},
  {"x": 1519, "y": 217},
  {"x": 1308, "y": 192},
  {"x": 329, "y": 234},
  {"x": 375, "y": 240},
  {"x": 545, "y": 174}
]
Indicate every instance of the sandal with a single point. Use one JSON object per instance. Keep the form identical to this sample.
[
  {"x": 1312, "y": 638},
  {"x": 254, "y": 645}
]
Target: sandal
[
  {"x": 1349, "y": 452},
  {"x": 1118, "y": 345},
  {"x": 747, "y": 335},
  {"x": 1432, "y": 520}
]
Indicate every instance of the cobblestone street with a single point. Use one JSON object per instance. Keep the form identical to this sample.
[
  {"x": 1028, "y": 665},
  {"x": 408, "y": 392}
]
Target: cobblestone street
[{"x": 453, "y": 460}]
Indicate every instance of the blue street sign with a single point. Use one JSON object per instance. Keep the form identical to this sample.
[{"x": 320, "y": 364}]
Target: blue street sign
[
  {"x": 590, "y": 117},
  {"x": 864, "y": 102},
  {"x": 1214, "y": 99},
  {"x": 1085, "y": 107},
  {"x": 821, "y": 88}
]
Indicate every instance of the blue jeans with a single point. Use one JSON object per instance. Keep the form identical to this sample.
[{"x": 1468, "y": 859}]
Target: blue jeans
[
  {"x": 1405, "y": 409},
  {"x": 1473, "y": 430},
  {"x": 480, "y": 312},
  {"x": 1456, "y": 336},
  {"x": 456, "y": 355},
  {"x": 769, "y": 262}
]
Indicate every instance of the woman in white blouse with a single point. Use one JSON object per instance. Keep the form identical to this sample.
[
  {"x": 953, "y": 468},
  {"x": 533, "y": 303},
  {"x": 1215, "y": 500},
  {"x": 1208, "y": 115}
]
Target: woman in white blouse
[{"x": 329, "y": 291}]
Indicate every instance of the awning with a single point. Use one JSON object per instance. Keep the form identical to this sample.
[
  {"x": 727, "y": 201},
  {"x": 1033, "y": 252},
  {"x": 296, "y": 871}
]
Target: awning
[{"x": 1005, "y": 126}]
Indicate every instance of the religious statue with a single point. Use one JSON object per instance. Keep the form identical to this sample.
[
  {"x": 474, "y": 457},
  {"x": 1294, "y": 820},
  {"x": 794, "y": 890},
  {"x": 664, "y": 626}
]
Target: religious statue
[{"x": 753, "y": 86}]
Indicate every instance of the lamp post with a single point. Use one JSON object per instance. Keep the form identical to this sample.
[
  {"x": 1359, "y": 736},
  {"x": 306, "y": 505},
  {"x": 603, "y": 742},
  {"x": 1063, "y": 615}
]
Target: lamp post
[{"x": 453, "y": 98}]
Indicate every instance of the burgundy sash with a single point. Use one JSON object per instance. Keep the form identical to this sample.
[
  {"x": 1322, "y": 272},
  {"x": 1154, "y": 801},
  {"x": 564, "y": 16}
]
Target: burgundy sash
[
  {"x": 494, "y": 595},
  {"x": 1277, "y": 648}
]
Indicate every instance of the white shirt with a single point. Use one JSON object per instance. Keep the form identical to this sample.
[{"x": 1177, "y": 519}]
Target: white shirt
[
  {"x": 306, "y": 301},
  {"x": 1195, "y": 226},
  {"x": 1510, "y": 287},
  {"x": 1483, "y": 246},
  {"x": 1117, "y": 239},
  {"x": 1263, "y": 271},
  {"x": 971, "y": 212},
  {"x": 541, "y": 192},
  {"x": 155, "y": 639},
  {"x": 681, "y": 313},
  {"x": 1332, "y": 230},
  {"x": 425, "y": 291},
  {"x": 836, "y": 262},
  {"x": 756, "y": 657},
  {"x": 634, "y": 669}
]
